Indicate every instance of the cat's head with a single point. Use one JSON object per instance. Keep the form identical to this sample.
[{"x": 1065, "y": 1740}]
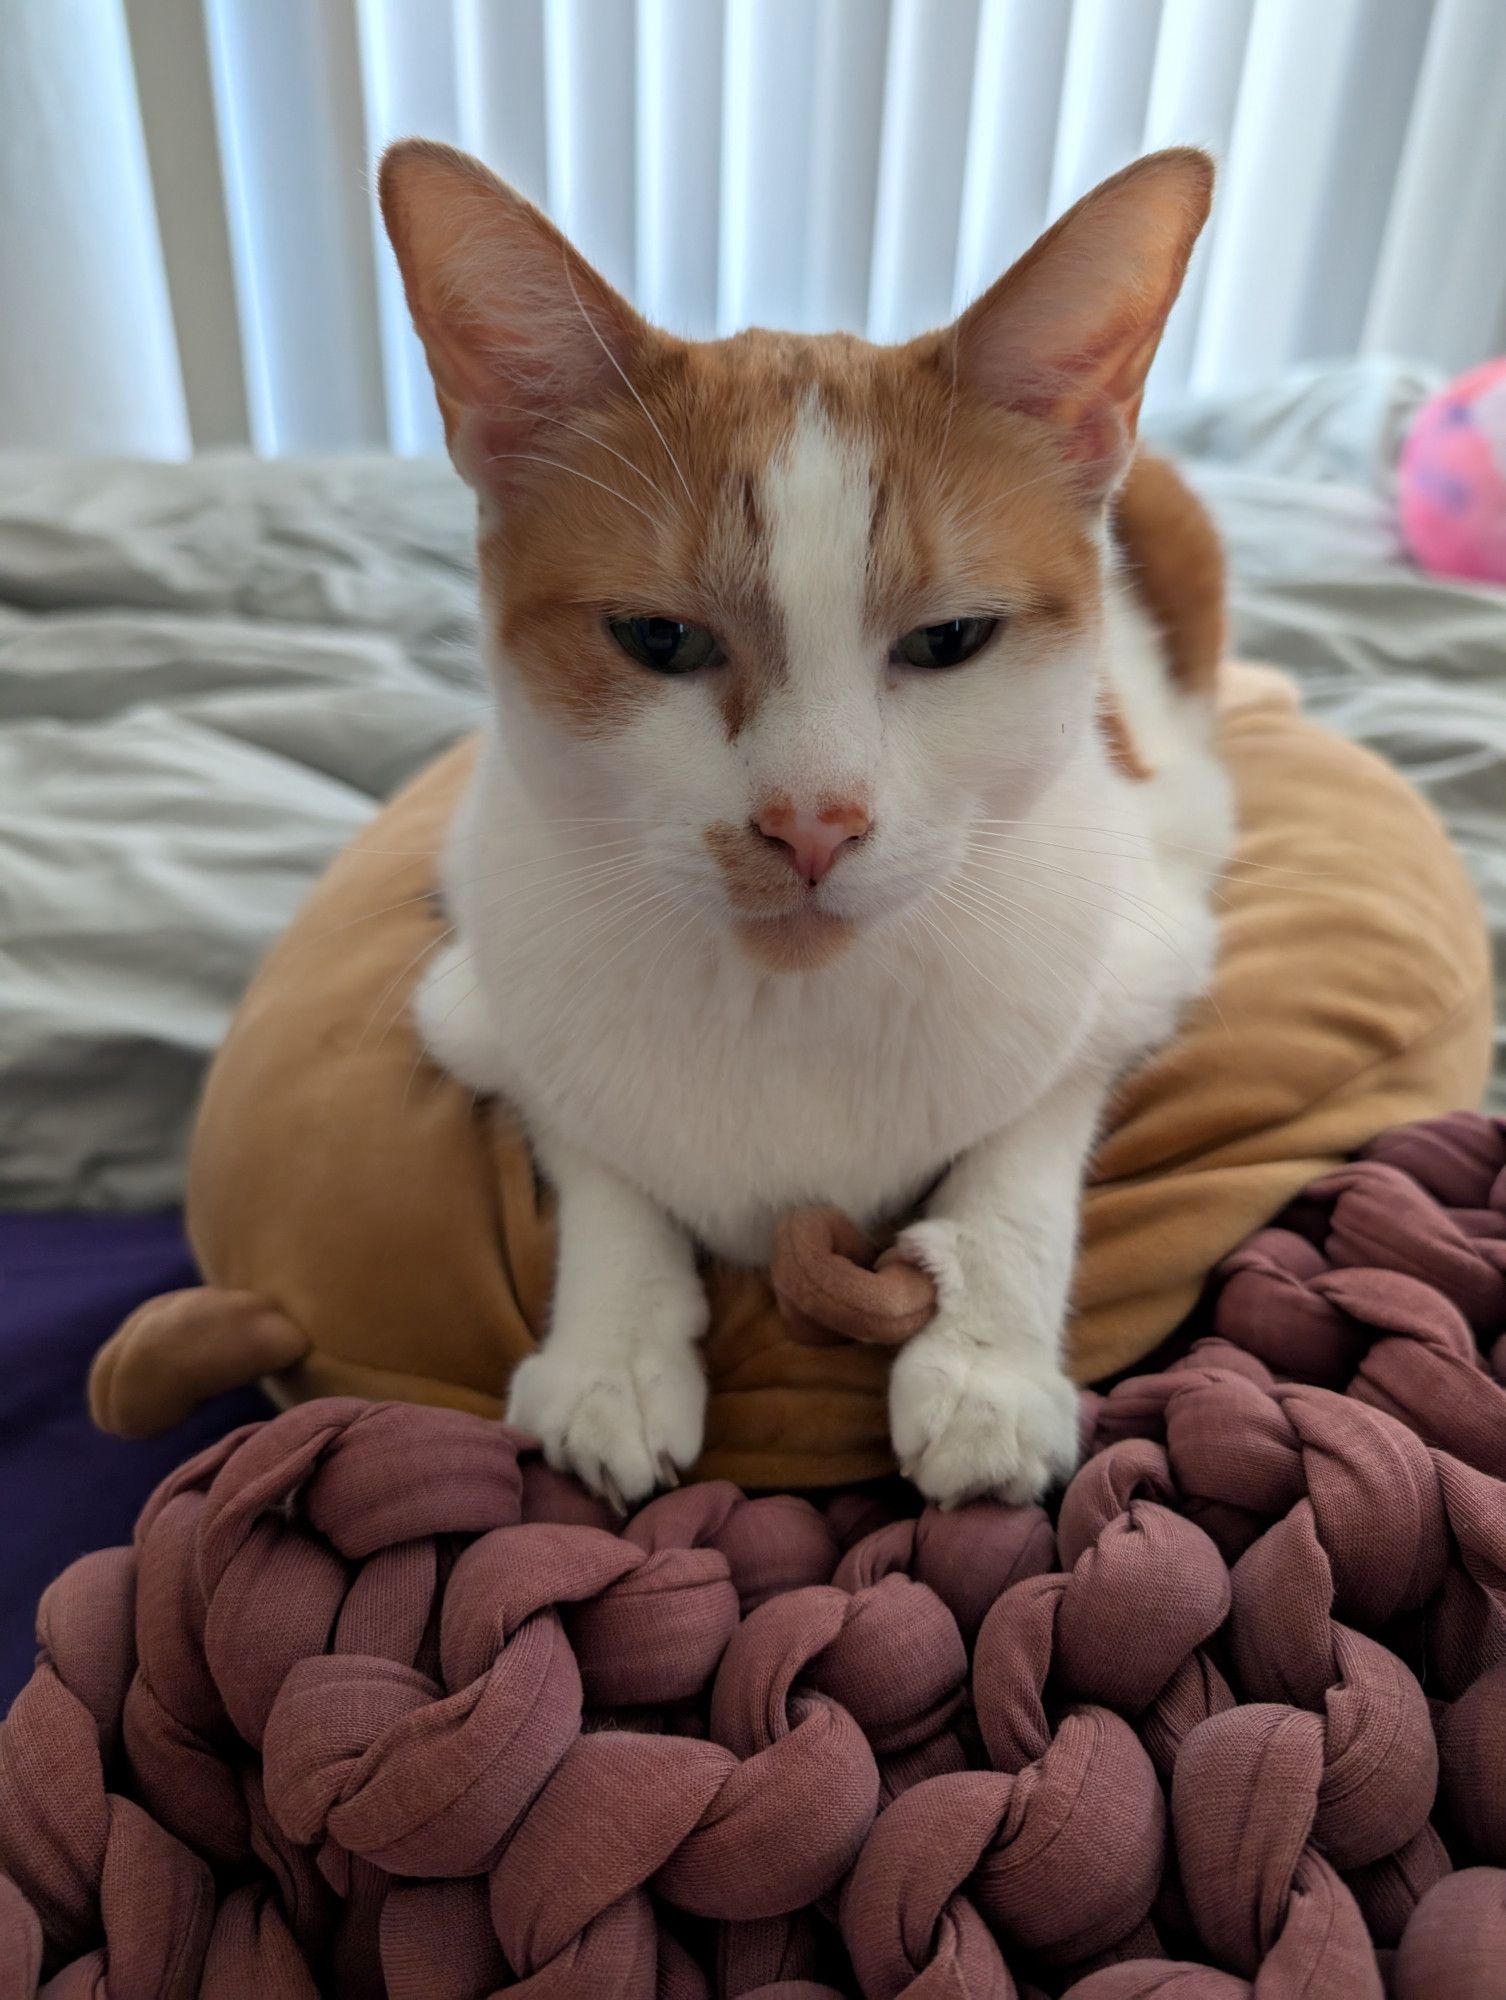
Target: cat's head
[{"x": 786, "y": 616}]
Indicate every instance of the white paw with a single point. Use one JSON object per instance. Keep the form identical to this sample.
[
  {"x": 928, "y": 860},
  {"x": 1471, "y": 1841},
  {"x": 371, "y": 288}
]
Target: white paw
[
  {"x": 452, "y": 1019},
  {"x": 970, "y": 1422},
  {"x": 625, "y": 1420}
]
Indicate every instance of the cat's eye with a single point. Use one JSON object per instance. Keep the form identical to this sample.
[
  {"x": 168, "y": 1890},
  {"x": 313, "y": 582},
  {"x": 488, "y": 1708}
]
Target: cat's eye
[
  {"x": 668, "y": 645},
  {"x": 947, "y": 644}
]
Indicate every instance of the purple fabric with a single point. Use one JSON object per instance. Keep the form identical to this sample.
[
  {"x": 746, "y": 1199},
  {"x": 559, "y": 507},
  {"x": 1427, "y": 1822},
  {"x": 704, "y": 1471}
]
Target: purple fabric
[{"x": 66, "y": 1282}]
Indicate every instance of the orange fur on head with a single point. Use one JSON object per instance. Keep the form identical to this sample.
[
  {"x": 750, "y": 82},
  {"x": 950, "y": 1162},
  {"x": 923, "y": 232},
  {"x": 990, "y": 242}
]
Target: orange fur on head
[{"x": 620, "y": 469}]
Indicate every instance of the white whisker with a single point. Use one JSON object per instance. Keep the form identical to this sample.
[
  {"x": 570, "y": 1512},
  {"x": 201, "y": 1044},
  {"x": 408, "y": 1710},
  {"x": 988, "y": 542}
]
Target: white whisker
[
  {"x": 429, "y": 945},
  {"x": 1028, "y": 935},
  {"x": 591, "y": 438},
  {"x": 596, "y": 335},
  {"x": 1153, "y": 843},
  {"x": 537, "y": 458},
  {"x": 1156, "y": 931}
]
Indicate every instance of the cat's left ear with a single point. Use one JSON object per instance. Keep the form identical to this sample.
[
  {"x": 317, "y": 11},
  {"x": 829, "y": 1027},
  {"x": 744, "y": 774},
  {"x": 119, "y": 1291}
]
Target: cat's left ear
[
  {"x": 519, "y": 330},
  {"x": 1069, "y": 332}
]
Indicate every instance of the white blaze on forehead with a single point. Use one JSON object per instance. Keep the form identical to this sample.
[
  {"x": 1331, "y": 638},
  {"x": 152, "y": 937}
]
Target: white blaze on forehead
[{"x": 816, "y": 498}]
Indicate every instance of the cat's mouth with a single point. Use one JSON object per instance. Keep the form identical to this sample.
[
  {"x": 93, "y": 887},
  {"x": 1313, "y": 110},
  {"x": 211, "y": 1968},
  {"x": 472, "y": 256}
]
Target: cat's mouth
[
  {"x": 797, "y": 941},
  {"x": 784, "y": 923}
]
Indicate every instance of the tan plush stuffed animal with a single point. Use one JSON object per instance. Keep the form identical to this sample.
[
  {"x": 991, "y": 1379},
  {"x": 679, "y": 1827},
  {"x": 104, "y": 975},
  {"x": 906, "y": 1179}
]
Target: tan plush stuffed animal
[{"x": 366, "y": 1229}]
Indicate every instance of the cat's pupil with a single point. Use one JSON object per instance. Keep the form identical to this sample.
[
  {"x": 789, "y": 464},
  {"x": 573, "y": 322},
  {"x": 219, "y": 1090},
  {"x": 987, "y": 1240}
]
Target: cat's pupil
[
  {"x": 948, "y": 642},
  {"x": 660, "y": 638}
]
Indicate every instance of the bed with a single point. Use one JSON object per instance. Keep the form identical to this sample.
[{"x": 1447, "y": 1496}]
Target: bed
[{"x": 212, "y": 673}]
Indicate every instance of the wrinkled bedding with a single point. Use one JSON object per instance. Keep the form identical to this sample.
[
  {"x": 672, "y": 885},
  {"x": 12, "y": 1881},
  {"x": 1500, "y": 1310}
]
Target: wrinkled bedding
[{"x": 210, "y": 674}]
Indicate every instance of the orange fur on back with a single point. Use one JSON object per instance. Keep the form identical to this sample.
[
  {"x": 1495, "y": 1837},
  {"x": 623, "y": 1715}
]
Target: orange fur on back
[{"x": 1174, "y": 561}]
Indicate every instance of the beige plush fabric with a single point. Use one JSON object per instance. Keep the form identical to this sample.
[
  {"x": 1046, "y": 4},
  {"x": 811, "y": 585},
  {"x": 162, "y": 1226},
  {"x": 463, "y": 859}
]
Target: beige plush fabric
[{"x": 403, "y": 1237}]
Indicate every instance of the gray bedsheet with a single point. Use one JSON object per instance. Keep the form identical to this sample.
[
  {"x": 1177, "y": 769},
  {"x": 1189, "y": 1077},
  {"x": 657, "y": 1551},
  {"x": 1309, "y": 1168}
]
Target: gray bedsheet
[{"x": 210, "y": 674}]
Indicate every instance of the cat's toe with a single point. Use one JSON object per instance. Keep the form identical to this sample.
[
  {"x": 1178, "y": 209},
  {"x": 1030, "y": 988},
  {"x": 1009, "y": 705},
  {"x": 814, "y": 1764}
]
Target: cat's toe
[
  {"x": 969, "y": 1423},
  {"x": 625, "y": 1425}
]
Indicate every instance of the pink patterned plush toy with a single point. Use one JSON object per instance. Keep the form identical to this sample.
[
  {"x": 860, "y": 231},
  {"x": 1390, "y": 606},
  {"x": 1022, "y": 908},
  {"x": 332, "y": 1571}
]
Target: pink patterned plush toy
[{"x": 1452, "y": 478}]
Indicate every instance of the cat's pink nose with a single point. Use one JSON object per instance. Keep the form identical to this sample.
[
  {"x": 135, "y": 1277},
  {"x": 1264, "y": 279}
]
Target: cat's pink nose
[{"x": 812, "y": 840}]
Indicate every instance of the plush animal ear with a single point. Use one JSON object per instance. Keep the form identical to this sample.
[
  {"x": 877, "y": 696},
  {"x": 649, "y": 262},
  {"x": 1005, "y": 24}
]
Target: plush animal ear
[
  {"x": 1069, "y": 332},
  {"x": 518, "y": 328}
]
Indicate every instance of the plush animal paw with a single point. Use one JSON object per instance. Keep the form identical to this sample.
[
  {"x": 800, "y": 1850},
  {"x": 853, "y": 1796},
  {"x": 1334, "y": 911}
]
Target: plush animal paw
[
  {"x": 625, "y": 1420},
  {"x": 970, "y": 1421}
]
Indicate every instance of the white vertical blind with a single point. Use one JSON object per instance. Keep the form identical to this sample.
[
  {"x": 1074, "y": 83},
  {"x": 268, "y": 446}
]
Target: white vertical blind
[
  {"x": 170, "y": 56},
  {"x": 921, "y": 161},
  {"x": 589, "y": 60},
  {"x": 679, "y": 162},
  {"x": 1280, "y": 155},
  {"x": 287, "y": 77},
  {"x": 1194, "y": 88},
  {"x": 87, "y": 355},
  {"x": 867, "y": 164},
  {"x": 408, "y": 69},
  {"x": 499, "y": 62},
  {"x": 852, "y": 39},
  {"x": 768, "y": 103},
  {"x": 1110, "y": 54},
  {"x": 1011, "y": 144},
  {"x": 1350, "y": 205},
  {"x": 1440, "y": 287}
]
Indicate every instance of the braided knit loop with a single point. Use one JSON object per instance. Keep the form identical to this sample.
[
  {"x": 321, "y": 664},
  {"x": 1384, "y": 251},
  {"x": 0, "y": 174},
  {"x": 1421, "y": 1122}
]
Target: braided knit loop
[{"x": 377, "y": 1704}]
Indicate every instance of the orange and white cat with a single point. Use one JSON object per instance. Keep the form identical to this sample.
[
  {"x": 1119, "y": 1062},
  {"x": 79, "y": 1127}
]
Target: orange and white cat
[{"x": 842, "y": 831}]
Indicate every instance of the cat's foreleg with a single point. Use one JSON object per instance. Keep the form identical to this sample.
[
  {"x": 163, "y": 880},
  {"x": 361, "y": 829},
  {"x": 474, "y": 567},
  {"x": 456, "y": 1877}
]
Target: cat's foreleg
[
  {"x": 616, "y": 1394},
  {"x": 979, "y": 1404}
]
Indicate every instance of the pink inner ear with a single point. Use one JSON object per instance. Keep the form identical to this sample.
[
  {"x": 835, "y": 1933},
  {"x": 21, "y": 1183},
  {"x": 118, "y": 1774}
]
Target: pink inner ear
[
  {"x": 507, "y": 390},
  {"x": 1093, "y": 430},
  {"x": 517, "y": 327},
  {"x": 1067, "y": 335}
]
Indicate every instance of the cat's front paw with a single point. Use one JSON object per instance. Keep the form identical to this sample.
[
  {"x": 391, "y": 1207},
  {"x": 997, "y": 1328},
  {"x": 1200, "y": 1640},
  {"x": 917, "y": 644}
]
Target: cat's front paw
[
  {"x": 970, "y": 1421},
  {"x": 625, "y": 1421}
]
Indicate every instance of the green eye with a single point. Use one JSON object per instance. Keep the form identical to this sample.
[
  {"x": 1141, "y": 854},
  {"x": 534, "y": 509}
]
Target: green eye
[
  {"x": 665, "y": 644},
  {"x": 947, "y": 645}
]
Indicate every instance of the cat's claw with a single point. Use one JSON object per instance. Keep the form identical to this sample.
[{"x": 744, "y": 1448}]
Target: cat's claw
[
  {"x": 970, "y": 1421},
  {"x": 625, "y": 1422}
]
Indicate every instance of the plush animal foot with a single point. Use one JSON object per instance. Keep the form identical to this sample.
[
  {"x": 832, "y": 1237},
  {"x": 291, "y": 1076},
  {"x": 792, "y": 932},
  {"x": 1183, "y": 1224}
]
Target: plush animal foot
[
  {"x": 624, "y": 1419},
  {"x": 970, "y": 1422}
]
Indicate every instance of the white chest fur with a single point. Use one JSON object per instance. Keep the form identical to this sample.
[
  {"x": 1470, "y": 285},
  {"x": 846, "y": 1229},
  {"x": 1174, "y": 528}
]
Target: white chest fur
[{"x": 729, "y": 1093}]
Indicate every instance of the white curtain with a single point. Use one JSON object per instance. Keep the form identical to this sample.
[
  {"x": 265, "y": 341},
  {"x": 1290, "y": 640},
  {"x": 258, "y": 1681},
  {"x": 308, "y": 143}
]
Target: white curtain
[{"x": 189, "y": 254}]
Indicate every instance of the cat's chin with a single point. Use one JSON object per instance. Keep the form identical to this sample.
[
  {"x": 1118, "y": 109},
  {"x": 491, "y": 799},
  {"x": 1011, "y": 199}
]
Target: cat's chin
[{"x": 803, "y": 941}]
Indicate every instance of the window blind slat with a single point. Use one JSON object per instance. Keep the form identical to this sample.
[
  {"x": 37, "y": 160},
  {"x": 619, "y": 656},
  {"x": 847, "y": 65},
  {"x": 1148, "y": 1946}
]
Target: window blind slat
[
  {"x": 851, "y": 45},
  {"x": 287, "y": 77},
  {"x": 590, "y": 56},
  {"x": 1110, "y": 55},
  {"x": 87, "y": 355},
  {"x": 1006, "y": 193},
  {"x": 187, "y": 225},
  {"x": 1438, "y": 290},
  {"x": 170, "y": 58},
  {"x": 679, "y": 161},
  {"x": 1351, "y": 202},
  {"x": 408, "y": 69},
  {"x": 767, "y": 105},
  {"x": 1194, "y": 88},
  {"x": 499, "y": 78},
  {"x": 922, "y": 156},
  {"x": 1261, "y": 262}
]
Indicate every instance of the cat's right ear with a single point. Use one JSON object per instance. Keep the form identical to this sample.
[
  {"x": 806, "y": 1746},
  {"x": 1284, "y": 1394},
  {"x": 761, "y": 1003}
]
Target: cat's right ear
[{"x": 518, "y": 328}]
